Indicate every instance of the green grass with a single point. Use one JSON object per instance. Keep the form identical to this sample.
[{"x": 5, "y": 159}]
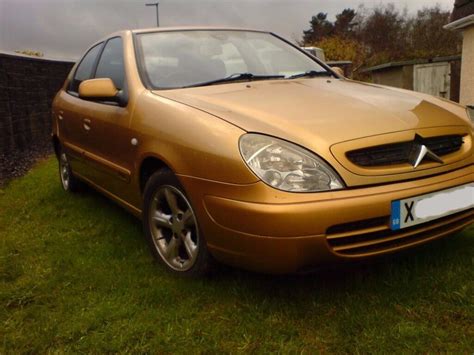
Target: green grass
[{"x": 76, "y": 275}]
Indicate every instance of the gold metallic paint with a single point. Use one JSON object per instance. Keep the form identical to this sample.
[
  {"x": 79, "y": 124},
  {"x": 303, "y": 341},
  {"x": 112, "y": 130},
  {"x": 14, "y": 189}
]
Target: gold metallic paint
[
  {"x": 102, "y": 87},
  {"x": 195, "y": 132}
]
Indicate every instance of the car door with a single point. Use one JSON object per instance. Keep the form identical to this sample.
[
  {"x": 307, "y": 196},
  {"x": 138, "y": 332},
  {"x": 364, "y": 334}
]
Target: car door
[
  {"x": 72, "y": 130},
  {"x": 110, "y": 152}
]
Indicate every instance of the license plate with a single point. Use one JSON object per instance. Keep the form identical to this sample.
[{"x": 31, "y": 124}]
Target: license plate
[{"x": 420, "y": 209}]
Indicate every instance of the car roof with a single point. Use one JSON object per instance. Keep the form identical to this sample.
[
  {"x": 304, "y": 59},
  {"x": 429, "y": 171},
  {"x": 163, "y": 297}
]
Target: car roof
[
  {"x": 172, "y": 29},
  {"x": 194, "y": 28},
  {"x": 177, "y": 29}
]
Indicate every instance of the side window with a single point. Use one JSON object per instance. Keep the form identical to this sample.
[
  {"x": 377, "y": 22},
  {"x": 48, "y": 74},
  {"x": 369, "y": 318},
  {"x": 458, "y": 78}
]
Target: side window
[
  {"x": 111, "y": 62},
  {"x": 84, "y": 70}
]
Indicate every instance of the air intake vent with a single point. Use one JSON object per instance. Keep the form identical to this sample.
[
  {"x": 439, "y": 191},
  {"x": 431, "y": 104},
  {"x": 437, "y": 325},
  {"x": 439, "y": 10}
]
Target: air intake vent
[
  {"x": 399, "y": 153},
  {"x": 355, "y": 239}
]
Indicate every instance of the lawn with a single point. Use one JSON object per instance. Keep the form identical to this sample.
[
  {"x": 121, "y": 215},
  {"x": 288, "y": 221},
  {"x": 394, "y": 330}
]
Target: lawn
[{"x": 76, "y": 275}]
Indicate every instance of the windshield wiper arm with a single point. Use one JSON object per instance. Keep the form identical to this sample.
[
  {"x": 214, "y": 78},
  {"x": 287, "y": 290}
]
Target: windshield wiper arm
[
  {"x": 311, "y": 74},
  {"x": 237, "y": 77}
]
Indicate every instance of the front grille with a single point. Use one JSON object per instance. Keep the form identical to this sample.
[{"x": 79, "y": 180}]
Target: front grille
[
  {"x": 399, "y": 153},
  {"x": 375, "y": 236}
]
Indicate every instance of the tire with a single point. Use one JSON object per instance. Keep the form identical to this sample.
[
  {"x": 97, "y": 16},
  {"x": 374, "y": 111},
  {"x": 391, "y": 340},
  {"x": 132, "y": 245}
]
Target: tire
[
  {"x": 68, "y": 181},
  {"x": 171, "y": 227}
]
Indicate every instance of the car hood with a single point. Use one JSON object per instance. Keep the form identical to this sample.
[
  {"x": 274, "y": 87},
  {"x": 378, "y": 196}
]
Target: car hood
[{"x": 320, "y": 112}]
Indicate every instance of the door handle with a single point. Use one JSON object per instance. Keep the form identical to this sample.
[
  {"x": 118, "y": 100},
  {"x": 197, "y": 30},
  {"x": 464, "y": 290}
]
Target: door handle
[
  {"x": 86, "y": 123},
  {"x": 60, "y": 115}
]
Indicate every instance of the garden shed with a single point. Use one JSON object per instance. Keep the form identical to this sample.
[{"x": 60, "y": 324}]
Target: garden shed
[{"x": 437, "y": 76}]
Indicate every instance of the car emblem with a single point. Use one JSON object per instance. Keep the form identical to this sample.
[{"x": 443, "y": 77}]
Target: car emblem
[{"x": 420, "y": 151}]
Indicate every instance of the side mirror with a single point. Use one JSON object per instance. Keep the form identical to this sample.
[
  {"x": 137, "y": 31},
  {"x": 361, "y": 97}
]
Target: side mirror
[
  {"x": 470, "y": 112},
  {"x": 338, "y": 71},
  {"x": 99, "y": 89}
]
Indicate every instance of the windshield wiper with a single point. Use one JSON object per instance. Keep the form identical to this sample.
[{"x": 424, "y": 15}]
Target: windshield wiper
[
  {"x": 236, "y": 77},
  {"x": 311, "y": 74}
]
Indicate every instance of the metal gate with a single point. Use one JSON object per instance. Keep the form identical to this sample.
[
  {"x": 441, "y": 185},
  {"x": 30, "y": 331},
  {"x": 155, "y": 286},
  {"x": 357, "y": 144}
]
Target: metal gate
[{"x": 432, "y": 78}]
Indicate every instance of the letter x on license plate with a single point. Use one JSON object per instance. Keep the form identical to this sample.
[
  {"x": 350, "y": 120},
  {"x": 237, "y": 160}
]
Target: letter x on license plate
[{"x": 424, "y": 208}]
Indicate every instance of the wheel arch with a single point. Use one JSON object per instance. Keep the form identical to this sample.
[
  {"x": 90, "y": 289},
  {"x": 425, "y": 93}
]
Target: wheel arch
[
  {"x": 148, "y": 166},
  {"x": 56, "y": 145}
]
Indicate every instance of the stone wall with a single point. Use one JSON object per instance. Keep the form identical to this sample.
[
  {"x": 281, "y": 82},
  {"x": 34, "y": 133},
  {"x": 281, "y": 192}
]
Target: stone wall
[{"x": 27, "y": 88}]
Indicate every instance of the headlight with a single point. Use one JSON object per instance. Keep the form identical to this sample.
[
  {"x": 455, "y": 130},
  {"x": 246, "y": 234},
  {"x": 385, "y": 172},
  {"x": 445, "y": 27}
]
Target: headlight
[
  {"x": 470, "y": 113},
  {"x": 286, "y": 166}
]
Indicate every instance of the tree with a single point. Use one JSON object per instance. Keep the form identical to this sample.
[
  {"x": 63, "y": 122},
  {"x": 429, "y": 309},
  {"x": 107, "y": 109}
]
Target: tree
[
  {"x": 428, "y": 38},
  {"x": 320, "y": 27},
  {"x": 344, "y": 23},
  {"x": 343, "y": 48},
  {"x": 384, "y": 32}
]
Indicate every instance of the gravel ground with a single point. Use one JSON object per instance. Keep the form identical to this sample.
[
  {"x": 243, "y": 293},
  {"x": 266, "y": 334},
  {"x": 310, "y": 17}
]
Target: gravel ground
[{"x": 18, "y": 163}]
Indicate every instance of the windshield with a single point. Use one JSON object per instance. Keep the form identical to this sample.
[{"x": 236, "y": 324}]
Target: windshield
[{"x": 179, "y": 59}]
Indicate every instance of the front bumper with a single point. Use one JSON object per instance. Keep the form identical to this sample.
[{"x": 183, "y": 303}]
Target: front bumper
[{"x": 259, "y": 228}]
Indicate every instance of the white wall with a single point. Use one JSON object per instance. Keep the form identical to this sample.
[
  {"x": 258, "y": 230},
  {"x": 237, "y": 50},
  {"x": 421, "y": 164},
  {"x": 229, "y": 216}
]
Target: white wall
[{"x": 467, "y": 67}]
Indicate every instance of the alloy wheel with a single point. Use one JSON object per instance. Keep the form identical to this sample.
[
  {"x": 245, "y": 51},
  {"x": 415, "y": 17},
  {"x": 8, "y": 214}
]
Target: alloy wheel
[
  {"x": 64, "y": 171},
  {"x": 173, "y": 228}
]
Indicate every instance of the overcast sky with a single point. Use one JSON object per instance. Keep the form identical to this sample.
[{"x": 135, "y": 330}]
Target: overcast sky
[{"x": 65, "y": 28}]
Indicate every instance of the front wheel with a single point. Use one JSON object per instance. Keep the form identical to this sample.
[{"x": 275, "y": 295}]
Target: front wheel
[{"x": 172, "y": 228}]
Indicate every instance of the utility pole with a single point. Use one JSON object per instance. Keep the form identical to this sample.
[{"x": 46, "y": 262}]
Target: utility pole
[{"x": 157, "y": 14}]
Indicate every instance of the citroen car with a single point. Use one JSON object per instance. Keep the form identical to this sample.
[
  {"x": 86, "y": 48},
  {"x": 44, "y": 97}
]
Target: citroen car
[{"x": 236, "y": 146}]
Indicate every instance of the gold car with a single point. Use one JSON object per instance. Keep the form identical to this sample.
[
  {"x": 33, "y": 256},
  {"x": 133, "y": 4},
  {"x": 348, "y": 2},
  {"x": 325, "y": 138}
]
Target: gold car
[{"x": 235, "y": 145}]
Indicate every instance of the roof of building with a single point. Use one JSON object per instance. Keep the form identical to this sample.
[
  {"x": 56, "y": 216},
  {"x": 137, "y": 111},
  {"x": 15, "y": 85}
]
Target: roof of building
[
  {"x": 4, "y": 53},
  {"x": 338, "y": 62},
  {"x": 462, "y": 8},
  {"x": 392, "y": 65}
]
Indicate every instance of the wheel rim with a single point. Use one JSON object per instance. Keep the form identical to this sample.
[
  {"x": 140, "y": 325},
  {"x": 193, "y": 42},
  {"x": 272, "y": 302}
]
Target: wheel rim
[
  {"x": 64, "y": 171},
  {"x": 173, "y": 227}
]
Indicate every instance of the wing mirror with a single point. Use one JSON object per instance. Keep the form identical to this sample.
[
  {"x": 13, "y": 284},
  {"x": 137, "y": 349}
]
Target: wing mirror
[
  {"x": 338, "y": 71},
  {"x": 97, "y": 89},
  {"x": 101, "y": 89}
]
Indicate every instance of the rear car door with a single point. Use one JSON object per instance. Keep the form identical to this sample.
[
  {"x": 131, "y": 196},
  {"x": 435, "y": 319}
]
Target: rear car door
[{"x": 72, "y": 130}]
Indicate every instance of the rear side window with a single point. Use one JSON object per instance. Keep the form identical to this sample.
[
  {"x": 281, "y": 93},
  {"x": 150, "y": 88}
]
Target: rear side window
[
  {"x": 111, "y": 62},
  {"x": 85, "y": 68}
]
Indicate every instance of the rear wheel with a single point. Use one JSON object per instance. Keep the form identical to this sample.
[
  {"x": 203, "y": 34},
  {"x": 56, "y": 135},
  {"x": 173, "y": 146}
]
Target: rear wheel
[
  {"x": 68, "y": 181},
  {"x": 172, "y": 228}
]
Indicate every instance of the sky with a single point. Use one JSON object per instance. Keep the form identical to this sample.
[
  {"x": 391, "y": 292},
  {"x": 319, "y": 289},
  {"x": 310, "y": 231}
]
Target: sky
[{"x": 64, "y": 29}]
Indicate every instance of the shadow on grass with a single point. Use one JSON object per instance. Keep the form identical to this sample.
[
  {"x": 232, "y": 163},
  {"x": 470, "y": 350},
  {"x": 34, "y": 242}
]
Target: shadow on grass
[{"x": 408, "y": 269}]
